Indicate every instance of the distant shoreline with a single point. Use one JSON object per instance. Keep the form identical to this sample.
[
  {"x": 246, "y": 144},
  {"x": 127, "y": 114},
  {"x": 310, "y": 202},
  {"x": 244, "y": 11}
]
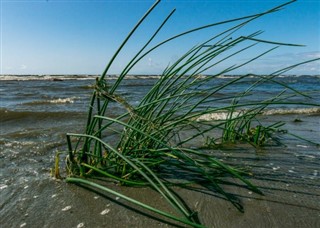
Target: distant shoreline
[
  {"x": 154, "y": 75},
  {"x": 63, "y": 77}
]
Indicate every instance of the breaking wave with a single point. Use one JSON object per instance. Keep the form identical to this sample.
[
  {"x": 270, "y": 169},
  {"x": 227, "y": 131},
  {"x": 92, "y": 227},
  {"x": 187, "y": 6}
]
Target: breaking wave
[
  {"x": 67, "y": 77},
  {"x": 225, "y": 115},
  {"x": 45, "y": 77},
  {"x": 112, "y": 77},
  {"x": 68, "y": 100},
  {"x": 8, "y": 115}
]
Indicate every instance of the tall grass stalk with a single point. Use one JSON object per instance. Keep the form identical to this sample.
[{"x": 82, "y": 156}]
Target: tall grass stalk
[{"x": 149, "y": 141}]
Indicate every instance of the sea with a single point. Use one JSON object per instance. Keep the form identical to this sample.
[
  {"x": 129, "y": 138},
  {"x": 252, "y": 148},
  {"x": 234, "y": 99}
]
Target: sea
[{"x": 36, "y": 111}]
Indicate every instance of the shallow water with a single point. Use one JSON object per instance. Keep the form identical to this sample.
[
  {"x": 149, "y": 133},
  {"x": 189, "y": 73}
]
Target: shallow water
[{"x": 35, "y": 118}]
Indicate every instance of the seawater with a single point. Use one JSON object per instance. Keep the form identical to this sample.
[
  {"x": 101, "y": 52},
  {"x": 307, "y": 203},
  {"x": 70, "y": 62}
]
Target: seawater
[
  {"x": 71, "y": 93},
  {"x": 36, "y": 111}
]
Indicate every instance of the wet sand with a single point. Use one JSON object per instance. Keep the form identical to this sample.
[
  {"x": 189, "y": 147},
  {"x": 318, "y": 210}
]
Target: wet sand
[
  {"x": 288, "y": 176},
  {"x": 286, "y": 203}
]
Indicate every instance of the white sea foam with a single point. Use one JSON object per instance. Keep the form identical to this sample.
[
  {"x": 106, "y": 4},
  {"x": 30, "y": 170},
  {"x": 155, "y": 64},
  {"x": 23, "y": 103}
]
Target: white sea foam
[
  {"x": 91, "y": 77},
  {"x": 228, "y": 76},
  {"x": 214, "y": 116},
  {"x": 225, "y": 115},
  {"x": 62, "y": 100},
  {"x": 292, "y": 111},
  {"x": 45, "y": 77},
  {"x": 68, "y": 100},
  {"x": 3, "y": 186},
  {"x": 68, "y": 77},
  {"x": 303, "y": 146}
]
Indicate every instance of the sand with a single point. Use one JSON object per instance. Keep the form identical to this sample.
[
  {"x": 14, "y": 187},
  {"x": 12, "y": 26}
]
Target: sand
[
  {"x": 291, "y": 199},
  {"x": 289, "y": 177}
]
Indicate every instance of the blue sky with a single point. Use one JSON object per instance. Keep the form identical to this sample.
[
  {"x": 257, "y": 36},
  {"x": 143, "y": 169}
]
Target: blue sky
[{"x": 80, "y": 36}]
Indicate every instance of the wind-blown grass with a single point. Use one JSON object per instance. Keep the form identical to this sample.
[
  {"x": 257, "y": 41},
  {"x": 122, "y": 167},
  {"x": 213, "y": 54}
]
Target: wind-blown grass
[{"x": 149, "y": 141}]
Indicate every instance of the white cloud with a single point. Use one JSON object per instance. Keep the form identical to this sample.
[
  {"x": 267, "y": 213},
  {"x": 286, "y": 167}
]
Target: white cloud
[
  {"x": 149, "y": 61},
  {"x": 23, "y": 67},
  {"x": 297, "y": 56},
  {"x": 311, "y": 55}
]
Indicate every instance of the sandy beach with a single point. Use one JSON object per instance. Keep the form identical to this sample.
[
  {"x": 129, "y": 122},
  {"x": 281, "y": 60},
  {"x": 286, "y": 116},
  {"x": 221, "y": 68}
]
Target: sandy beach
[
  {"x": 288, "y": 176},
  {"x": 288, "y": 202}
]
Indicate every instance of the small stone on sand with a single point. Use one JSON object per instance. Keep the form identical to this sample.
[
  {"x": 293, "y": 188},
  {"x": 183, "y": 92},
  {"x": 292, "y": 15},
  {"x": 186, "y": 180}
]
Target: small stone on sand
[
  {"x": 104, "y": 212},
  {"x": 66, "y": 208}
]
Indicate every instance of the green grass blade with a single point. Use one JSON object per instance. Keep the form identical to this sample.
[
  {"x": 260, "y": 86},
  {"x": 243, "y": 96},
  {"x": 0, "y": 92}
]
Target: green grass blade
[{"x": 103, "y": 188}]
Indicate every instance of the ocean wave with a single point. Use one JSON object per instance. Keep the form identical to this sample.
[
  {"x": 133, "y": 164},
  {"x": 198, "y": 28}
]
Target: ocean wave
[
  {"x": 46, "y": 77},
  {"x": 278, "y": 76},
  {"x": 113, "y": 77},
  {"x": 9, "y": 115},
  {"x": 68, "y": 100},
  {"x": 292, "y": 111},
  {"x": 69, "y": 77},
  {"x": 225, "y": 115}
]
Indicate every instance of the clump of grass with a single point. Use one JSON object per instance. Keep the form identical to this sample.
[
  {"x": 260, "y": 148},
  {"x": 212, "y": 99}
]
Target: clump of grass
[{"x": 140, "y": 146}]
